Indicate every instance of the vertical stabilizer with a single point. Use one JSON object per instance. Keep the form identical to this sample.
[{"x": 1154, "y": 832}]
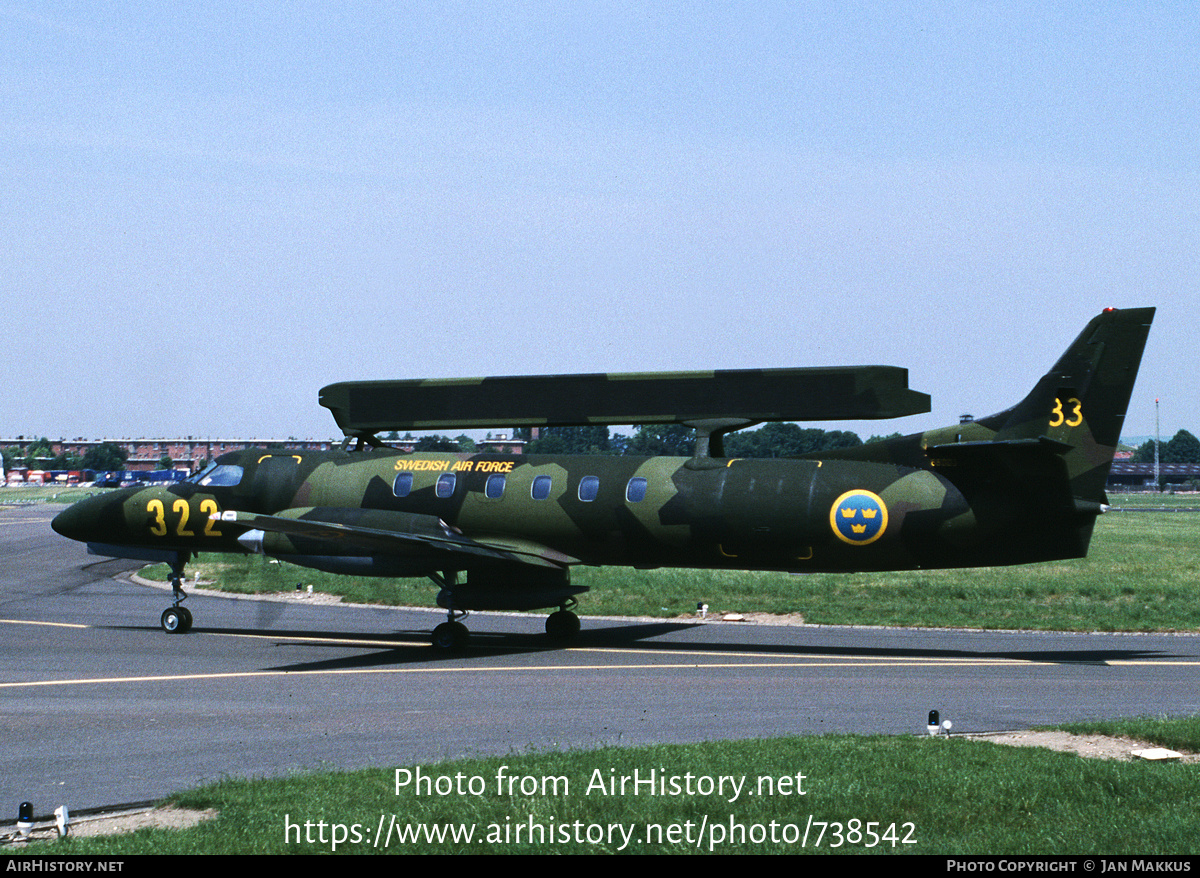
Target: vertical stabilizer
[{"x": 1080, "y": 404}]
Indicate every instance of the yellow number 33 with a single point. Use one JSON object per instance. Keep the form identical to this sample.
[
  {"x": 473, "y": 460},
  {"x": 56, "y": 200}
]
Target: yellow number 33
[{"x": 1059, "y": 418}]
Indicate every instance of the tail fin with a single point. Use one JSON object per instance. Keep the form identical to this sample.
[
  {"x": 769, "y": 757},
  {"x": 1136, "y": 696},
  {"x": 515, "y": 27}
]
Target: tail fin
[
  {"x": 1033, "y": 475},
  {"x": 1079, "y": 405}
]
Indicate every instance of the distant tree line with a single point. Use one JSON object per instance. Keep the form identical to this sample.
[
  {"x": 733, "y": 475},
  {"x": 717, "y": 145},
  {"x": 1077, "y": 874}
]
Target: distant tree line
[
  {"x": 676, "y": 440},
  {"x": 769, "y": 440},
  {"x": 463, "y": 443},
  {"x": 1183, "y": 447},
  {"x": 673, "y": 440}
]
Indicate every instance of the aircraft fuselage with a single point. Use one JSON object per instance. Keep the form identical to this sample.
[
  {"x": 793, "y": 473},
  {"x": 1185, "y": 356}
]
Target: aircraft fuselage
[{"x": 794, "y": 515}]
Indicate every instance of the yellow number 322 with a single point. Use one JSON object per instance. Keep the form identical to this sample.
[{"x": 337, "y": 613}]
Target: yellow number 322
[{"x": 158, "y": 525}]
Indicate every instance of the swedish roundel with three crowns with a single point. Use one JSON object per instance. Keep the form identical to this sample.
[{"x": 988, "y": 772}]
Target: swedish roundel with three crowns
[{"x": 858, "y": 517}]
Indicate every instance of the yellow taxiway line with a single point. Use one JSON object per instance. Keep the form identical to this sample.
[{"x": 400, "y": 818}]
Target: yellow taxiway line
[{"x": 701, "y": 659}]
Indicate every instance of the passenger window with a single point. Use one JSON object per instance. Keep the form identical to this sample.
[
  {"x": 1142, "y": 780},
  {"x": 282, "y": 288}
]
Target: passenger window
[
  {"x": 541, "y": 487},
  {"x": 445, "y": 484},
  {"x": 589, "y": 486},
  {"x": 635, "y": 491},
  {"x": 494, "y": 488},
  {"x": 403, "y": 484}
]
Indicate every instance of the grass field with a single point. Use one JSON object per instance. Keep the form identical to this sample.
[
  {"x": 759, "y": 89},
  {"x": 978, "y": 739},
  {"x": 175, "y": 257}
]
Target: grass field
[
  {"x": 857, "y": 794},
  {"x": 45, "y": 493}
]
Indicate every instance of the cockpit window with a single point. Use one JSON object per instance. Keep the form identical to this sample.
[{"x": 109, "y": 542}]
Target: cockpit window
[{"x": 218, "y": 475}]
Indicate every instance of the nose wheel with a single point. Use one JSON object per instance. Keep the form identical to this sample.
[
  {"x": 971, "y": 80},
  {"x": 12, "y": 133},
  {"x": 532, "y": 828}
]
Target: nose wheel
[{"x": 177, "y": 619}]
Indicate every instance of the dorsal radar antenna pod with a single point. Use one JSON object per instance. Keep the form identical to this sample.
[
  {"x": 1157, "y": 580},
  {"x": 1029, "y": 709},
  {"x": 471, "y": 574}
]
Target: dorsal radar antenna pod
[{"x": 713, "y": 402}]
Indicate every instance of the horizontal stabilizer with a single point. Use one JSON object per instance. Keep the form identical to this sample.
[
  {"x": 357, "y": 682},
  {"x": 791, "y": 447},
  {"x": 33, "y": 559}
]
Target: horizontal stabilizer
[
  {"x": 807, "y": 394},
  {"x": 977, "y": 451},
  {"x": 1033, "y": 469}
]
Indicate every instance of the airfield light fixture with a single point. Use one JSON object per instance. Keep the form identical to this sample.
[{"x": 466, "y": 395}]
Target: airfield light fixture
[
  {"x": 25, "y": 818},
  {"x": 933, "y": 724}
]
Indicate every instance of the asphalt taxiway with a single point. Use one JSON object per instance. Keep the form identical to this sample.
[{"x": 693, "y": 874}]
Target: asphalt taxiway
[{"x": 99, "y": 706}]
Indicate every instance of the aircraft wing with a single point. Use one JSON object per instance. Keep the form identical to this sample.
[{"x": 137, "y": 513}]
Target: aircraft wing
[{"x": 395, "y": 533}]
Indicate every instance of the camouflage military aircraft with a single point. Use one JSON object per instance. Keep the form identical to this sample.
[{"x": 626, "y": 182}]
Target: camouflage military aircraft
[{"x": 497, "y": 531}]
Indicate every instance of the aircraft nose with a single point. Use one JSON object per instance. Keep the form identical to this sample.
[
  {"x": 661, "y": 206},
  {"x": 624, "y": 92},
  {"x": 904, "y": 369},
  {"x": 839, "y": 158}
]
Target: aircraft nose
[
  {"x": 88, "y": 520},
  {"x": 73, "y": 522}
]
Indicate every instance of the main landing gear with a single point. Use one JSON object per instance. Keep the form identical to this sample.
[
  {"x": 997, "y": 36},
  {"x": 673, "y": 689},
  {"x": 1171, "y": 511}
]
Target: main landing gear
[
  {"x": 451, "y": 635},
  {"x": 562, "y": 626},
  {"x": 177, "y": 619}
]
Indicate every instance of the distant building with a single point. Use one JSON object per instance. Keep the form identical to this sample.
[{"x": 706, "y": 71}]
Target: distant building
[
  {"x": 186, "y": 454},
  {"x": 1127, "y": 474},
  {"x": 189, "y": 454}
]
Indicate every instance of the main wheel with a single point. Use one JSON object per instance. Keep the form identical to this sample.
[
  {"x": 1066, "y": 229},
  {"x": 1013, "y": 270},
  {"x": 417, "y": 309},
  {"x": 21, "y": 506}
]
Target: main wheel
[
  {"x": 450, "y": 636},
  {"x": 562, "y": 626}
]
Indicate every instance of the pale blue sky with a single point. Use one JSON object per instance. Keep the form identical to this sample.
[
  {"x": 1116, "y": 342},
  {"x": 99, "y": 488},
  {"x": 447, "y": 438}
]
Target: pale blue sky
[{"x": 208, "y": 211}]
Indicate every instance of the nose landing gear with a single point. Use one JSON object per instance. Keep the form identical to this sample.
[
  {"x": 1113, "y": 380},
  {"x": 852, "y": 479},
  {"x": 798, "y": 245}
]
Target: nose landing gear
[{"x": 177, "y": 619}]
